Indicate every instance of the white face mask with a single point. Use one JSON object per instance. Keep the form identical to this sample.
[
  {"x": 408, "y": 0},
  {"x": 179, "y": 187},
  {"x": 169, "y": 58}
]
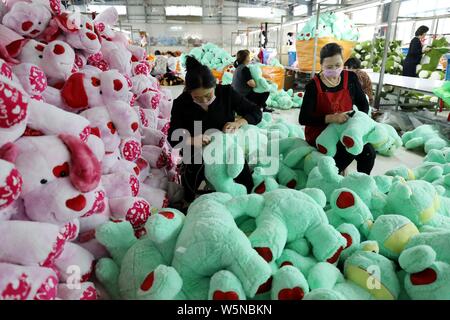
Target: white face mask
[{"x": 206, "y": 104}]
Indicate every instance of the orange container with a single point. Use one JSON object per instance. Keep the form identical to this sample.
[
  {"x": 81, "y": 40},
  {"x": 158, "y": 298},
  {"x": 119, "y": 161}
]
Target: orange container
[
  {"x": 274, "y": 74},
  {"x": 305, "y": 51}
]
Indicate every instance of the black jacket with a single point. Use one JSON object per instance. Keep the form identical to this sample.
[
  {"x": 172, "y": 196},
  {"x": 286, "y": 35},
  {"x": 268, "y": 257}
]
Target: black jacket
[
  {"x": 227, "y": 103},
  {"x": 412, "y": 58}
]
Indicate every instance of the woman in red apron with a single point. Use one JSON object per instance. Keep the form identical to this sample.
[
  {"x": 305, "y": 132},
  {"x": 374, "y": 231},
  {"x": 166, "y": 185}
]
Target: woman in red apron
[{"x": 328, "y": 98}]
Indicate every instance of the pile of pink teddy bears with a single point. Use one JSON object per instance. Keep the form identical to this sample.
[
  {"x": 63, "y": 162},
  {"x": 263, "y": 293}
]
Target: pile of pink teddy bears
[{"x": 83, "y": 141}]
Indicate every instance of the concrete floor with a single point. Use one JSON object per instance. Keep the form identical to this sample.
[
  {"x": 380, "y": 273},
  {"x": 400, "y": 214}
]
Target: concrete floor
[{"x": 382, "y": 164}]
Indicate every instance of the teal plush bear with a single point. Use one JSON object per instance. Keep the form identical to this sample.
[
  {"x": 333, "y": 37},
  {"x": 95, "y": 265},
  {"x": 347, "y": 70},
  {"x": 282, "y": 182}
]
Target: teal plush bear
[
  {"x": 347, "y": 207},
  {"x": 262, "y": 84},
  {"x": 426, "y": 136},
  {"x": 358, "y": 130},
  {"x": 285, "y": 216},
  {"x": 325, "y": 176},
  {"x": 391, "y": 143},
  {"x": 141, "y": 269},
  {"x": 224, "y": 160},
  {"x": 427, "y": 277},
  {"x": 438, "y": 155},
  {"x": 419, "y": 201},
  {"x": 367, "y": 276},
  {"x": 210, "y": 242},
  {"x": 443, "y": 92}
]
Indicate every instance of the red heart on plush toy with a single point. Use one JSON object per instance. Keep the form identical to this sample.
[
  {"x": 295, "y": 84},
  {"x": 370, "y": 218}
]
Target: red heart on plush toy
[
  {"x": 134, "y": 126},
  {"x": 265, "y": 252},
  {"x": 111, "y": 127},
  {"x": 229, "y": 295},
  {"x": 345, "y": 200},
  {"x": 424, "y": 277},
  {"x": 335, "y": 256},
  {"x": 348, "y": 238},
  {"x": 76, "y": 204},
  {"x": 322, "y": 149},
  {"x": 295, "y": 293},
  {"x": 95, "y": 81},
  {"x": 266, "y": 286},
  {"x": 61, "y": 170},
  {"x": 286, "y": 263},
  {"x": 291, "y": 184},
  {"x": 117, "y": 85},
  {"x": 348, "y": 142},
  {"x": 169, "y": 215},
  {"x": 148, "y": 282},
  {"x": 261, "y": 188}
]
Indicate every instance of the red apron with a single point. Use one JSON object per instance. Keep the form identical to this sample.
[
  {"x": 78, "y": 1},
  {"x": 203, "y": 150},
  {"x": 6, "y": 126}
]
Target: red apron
[{"x": 329, "y": 103}]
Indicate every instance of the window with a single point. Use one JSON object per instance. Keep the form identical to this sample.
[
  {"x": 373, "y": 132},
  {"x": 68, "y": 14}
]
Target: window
[
  {"x": 184, "y": 11},
  {"x": 300, "y": 10}
]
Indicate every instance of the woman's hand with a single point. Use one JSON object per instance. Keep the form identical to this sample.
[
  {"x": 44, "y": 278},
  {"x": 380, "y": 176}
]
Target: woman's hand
[
  {"x": 336, "y": 118},
  {"x": 200, "y": 140},
  {"x": 231, "y": 127}
]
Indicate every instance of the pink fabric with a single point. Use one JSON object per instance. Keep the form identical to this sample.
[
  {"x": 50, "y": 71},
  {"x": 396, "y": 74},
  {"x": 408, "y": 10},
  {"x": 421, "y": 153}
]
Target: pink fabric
[
  {"x": 9, "y": 152},
  {"x": 11, "y": 43}
]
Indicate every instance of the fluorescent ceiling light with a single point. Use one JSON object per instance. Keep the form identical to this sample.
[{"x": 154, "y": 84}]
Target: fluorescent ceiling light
[
  {"x": 176, "y": 28},
  {"x": 184, "y": 11},
  {"x": 121, "y": 10}
]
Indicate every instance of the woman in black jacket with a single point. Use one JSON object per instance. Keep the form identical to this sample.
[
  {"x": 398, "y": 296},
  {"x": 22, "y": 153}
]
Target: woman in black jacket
[
  {"x": 414, "y": 53},
  {"x": 204, "y": 106}
]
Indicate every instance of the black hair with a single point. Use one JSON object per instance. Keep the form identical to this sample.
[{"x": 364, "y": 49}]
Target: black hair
[
  {"x": 241, "y": 56},
  {"x": 330, "y": 50},
  {"x": 198, "y": 75},
  {"x": 421, "y": 30},
  {"x": 157, "y": 53},
  {"x": 353, "y": 63}
]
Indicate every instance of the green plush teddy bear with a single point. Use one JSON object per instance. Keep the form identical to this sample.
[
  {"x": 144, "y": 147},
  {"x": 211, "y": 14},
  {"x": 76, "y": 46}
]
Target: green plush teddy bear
[
  {"x": 358, "y": 130},
  {"x": 428, "y": 277},
  {"x": 262, "y": 85},
  {"x": 443, "y": 92},
  {"x": 284, "y": 217},
  {"x": 428, "y": 171},
  {"x": 391, "y": 143},
  {"x": 367, "y": 276},
  {"x": 419, "y": 201},
  {"x": 425, "y": 135},
  {"x": 141, "y": 268},
  {"x": 210, "y": 242}
]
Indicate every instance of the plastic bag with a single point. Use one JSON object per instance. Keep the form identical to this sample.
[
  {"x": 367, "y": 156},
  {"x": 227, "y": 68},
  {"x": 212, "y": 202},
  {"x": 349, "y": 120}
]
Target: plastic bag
[{"x": 274, "y": 74}]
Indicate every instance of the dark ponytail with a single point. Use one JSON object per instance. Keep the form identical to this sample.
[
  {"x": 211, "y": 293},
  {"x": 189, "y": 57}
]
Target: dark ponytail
[
  {"x": 198, "y": 75},
  {"x": 241, "y": 56}
]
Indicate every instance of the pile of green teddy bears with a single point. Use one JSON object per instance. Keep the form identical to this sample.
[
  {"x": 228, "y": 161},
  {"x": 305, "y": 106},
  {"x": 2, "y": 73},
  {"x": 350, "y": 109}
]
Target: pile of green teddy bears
[
  {"x": 211, "y": 55},
  {"x": 371, "y": 55},
  {"x": 305, "y": 232},
  {"x": 337, "y": 25}
]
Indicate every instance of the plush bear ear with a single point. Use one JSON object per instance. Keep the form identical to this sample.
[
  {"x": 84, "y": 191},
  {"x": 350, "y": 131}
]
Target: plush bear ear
[
  {"x": 85, "y": 170},
  {"x": 109, "y": 17},
  {"x": 11, "y": 44},
  {"x": 74, "y": 93},
  {"x": 68, "y": 22},
  {"x": 402, "y": 190},
  {"x": 9, "y": 152}
]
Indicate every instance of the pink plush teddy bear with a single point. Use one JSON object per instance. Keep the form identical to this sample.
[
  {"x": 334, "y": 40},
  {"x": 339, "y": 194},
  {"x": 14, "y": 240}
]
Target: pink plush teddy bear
[
  {"x": 56, "y": 59},
  {"x": 30, "y": 18}
]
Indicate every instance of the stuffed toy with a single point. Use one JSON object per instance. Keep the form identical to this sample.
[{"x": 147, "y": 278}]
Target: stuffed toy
[
  {"x": 392, "y": 142},
  {"x": 430, "y": 59},
  {"x": 214, "y": 215},
  {"x": 419, "y": 201},
  {"x": 141, "y": 269},
  {"x": 438, "y": 155},
  {"x": 275, "y": 209},
  {"x": 353, "y": 134},
  {"x": 428, "y": 171},
  {"x": 443, "y": 92},
  {"x": 262, "y": 85},
  {"x": 427, "y": 276},
  {"x": 32, "y": 78},
  {"x": 56, "y": 59},
  {"x": 347, "y": 207},
  {"x": 360, "y": 280},
  {"x": 426, "y": 136}
]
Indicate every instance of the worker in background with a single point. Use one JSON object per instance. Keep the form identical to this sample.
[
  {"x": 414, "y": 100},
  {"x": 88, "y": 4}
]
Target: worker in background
[
  {"x": 171, "y": 61},
  {"x": 415, "y": 52},
  {"x": 243, "y": 83},
  {"x": 354, "y": 65},
  {"x": 329, "y": 98},
  {"x": 214, "y": 106}
]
